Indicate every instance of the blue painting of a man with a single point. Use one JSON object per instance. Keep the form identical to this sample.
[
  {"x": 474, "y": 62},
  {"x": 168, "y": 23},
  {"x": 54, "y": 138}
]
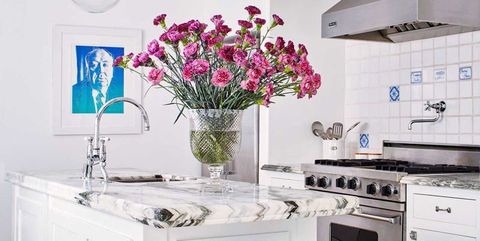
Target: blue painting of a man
[{"x": 97, "y": 80}]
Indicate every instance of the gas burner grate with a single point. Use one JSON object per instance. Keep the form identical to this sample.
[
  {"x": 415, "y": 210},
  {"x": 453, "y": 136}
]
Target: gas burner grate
[{"x": 398, "y": 166}]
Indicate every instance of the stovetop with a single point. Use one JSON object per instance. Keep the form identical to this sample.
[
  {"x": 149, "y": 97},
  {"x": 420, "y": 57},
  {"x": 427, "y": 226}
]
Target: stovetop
[
  {"x": 375, "y": 179},
  {"x": 398, "y": 166}
]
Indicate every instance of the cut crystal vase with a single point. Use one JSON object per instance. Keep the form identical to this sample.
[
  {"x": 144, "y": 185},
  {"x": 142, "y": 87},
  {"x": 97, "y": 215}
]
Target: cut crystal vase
[{"x": 215, "y": 136}]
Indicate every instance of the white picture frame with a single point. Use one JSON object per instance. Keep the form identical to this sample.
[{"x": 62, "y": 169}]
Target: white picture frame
[{"x": 72, "y": 46}]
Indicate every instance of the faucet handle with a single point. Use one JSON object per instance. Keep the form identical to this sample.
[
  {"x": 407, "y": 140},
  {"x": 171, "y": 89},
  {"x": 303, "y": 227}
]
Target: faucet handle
[
  {"x": 104, "y": 139},
  {"x": 89, "y": 139},
  {"x": 428, "y": 106}
]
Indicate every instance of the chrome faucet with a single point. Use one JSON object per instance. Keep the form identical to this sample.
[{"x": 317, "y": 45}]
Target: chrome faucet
[
  {"x": 96, "y": 150},
  {"x": 439, "y": 109}
]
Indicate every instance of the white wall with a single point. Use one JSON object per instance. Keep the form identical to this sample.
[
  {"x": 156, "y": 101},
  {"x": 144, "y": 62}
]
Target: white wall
[
  {"x": 372, "y": 68},
  {"x": 26, "y": 93},
  {"x": 290, "y": 139}
]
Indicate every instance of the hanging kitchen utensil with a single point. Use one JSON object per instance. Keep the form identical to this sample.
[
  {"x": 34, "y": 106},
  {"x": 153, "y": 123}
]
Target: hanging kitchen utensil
[
  {"x": 337, "y": 130},
  {"x": 329, "y": 133},
  {"x": 351, "y": 128}
]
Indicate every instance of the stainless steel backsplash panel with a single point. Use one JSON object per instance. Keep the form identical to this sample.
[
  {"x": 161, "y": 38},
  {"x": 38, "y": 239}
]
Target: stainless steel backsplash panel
[{"x": 432, "y": 153}]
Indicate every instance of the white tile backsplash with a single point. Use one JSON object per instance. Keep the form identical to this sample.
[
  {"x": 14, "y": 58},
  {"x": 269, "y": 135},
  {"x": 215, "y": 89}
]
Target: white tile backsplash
[
  {"x": 452, "y": 55},
  {"x": 465, "y": 53},
  {"x": 466, "y": 88},
  {"x": 476, "y": 88},
  {"x": 440, "y": 56},
  {"x": 453, "y": 90},
  {"x": 466, "y": 107},
  {"x": 372, "y": 68},
  {"x": 452, "y": 40}
]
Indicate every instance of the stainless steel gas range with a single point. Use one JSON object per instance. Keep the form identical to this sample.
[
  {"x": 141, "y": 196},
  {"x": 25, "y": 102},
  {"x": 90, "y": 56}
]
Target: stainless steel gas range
[{"x": 377, "y": 184}]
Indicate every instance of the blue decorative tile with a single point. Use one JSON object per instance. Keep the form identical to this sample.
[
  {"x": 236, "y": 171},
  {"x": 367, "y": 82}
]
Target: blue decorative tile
[
  {"x": 465, "y": 73},
  {"x": 394, "y": 93},
  {"x": 416, "y": 77},
  {"x": 440, "y": 75},
  {"x": 364, "y": 141}
]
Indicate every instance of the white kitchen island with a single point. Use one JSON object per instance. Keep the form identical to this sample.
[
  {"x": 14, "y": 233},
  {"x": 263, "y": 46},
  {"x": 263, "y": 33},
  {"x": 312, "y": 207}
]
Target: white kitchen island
[{"x": 57, "y": 206}]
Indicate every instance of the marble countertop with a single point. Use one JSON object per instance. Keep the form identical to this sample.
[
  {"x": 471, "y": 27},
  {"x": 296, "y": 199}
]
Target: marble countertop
[
  {"x": 177, "y": 204},
  {"x": 469, "y": 181}
]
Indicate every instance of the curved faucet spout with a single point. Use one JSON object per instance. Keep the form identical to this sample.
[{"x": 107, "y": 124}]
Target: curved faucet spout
[
  {"x": 111, "y": 102},
  {"x": 96, "y": 151},
  {"x": 439, "y": 109},
  {"x": 423, "y": 121}
]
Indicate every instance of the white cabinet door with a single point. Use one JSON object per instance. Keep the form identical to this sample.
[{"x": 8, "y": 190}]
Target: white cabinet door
[
  {"x": 280, "y": 236},
  {"x": 30, "y": 215},
  {"x": 64, "y": 226},
  {"x": 427, "y": 235}
]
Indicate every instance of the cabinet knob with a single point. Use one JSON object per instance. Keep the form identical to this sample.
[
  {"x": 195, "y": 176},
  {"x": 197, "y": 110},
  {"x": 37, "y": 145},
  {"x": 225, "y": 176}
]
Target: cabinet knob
[{"x": 413, "y": 235}]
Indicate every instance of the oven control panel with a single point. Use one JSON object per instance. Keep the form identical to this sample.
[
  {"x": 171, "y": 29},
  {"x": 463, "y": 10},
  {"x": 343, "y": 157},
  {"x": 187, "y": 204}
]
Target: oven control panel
[{"x": 363, "y": 187}]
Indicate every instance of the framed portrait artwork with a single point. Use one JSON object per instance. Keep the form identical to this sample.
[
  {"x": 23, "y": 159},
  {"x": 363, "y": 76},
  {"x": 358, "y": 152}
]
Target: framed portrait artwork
[{"x": 84, "y": 79}]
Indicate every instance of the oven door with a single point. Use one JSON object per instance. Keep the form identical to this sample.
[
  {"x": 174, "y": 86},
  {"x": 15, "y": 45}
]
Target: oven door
[{"x": 372, "y": 224}]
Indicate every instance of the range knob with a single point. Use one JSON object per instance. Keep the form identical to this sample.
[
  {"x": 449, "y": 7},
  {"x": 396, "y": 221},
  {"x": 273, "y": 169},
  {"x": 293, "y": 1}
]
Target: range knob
[
  {"x": 354, "y": 183},
  {"x": 310, "y": 181},
  {"x": 341, "y": 182},
  {"x": 387, "y": 190},
  {"x": 324, "y": 182},
  {"x": 373, "y": 188}
]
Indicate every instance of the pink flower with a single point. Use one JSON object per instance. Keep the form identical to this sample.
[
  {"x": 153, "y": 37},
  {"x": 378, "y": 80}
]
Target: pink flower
[
  {"x": 118, "y": 61},
  {"x": 221, "y": 77},
  {"x": 187, "y": 71},
  {"x": 309, "y": 86},
  {"x": 153, "y": 47},
  {"x": 240, "y": 57},
  {"x": 200, "y": 66},
  {"x": 130, "y": 55},
  {"x": 302, "y": 50},
  {"x": 223, "y": 29},
  {"x": 197, "y": 27},
  {"x": 259, "y": 60},
  {"x": 183, "y": 27},
  {"x": 190, "y": 50},
  {"x": 174, "y": 36},
  {"x": 290, "y": 48},
  {"x": 160, "y": 53},
  {"x": 280, "y": 43},
  {"x": 259, "y": 22},
  {"x": 143, "y": 57},
  {"x": 217, "y": 20},
  {"x": 277, "y": 20},
  {"x": 250, "y": 39},
  {"x": 226, "y": 53},
  {"x": 268, "y": 94},
  {"x": 255, "y": 73},
  {"x": 160, "y": 19},
  {"x": 156, "y": 75},
  {"x": 303, "y": 68},
  {"x": 269, "y": 88},
  {"x": 249, "y": 85},
  {"x": 245, "y": 24},
  {"x": 285, "y": 59},
  {"x": 252, "y": 10}
]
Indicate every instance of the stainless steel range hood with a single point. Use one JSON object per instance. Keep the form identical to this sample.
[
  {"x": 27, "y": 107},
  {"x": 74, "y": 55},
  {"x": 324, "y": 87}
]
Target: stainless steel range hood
[{"x": 400, "y": 20}]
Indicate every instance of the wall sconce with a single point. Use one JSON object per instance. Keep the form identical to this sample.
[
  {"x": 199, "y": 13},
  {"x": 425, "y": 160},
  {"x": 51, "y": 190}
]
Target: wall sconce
[{"x": 96, "y": 6}]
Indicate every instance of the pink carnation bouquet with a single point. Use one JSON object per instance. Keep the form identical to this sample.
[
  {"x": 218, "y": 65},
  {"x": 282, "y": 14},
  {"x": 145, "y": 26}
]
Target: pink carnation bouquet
[{"x": 202, "y": 69}]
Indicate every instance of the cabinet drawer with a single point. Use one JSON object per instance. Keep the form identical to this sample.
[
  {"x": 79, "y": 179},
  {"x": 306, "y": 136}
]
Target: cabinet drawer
[
  {"x": 445, "y": 209},
  {"x": 287, "y": 183}
]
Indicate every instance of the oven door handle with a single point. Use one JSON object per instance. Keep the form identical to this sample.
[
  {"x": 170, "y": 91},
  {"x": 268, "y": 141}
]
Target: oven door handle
[{"x": 392, "y": 220}]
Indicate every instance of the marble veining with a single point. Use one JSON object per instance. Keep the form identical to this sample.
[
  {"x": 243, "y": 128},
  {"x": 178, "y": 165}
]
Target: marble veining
[
  {"x": 180, "y": 203},
  {"x": 469, "y": 181}
]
